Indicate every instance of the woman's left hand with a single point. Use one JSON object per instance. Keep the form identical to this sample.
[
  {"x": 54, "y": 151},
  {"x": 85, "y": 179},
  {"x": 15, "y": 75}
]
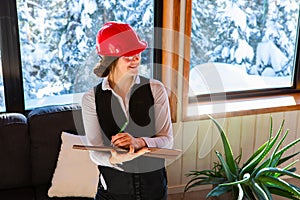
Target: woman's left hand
[{"x": 124, "y": 140}]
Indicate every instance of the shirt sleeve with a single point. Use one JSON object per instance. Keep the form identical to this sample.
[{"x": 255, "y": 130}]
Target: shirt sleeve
[
  {"x": 93, "y": 130},
  {"x": 163, "y": 124}
]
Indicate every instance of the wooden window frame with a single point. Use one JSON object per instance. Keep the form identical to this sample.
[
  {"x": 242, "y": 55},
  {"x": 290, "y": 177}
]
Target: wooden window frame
[{"x": 170, "y": 52}]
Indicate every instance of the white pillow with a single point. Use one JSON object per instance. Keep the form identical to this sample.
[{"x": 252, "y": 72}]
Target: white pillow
[{"x": 75, "y": 174}]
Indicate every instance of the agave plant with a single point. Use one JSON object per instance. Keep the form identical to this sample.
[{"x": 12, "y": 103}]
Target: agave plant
[{"x": 258, "y": 178}]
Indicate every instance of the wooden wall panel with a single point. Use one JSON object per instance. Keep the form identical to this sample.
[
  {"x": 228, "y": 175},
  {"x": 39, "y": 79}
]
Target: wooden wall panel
[
  {"x": 189, "y": 147},
  {"x": 203, "y": 147},
  {"x": 291, "y": 126},
  {"x": 261, "y": 130},
  {"x": 174, "y": 167},
  {"x": 234, "y": 134},
  {"x": 247, "y": 136}
]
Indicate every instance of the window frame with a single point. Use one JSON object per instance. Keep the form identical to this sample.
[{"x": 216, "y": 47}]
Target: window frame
[
  {"x": 232, "y": 97},
  {"x": 11, "y": 55},
  {"x": 171, "y": 52},
  {"x": 11, "y": 58}
]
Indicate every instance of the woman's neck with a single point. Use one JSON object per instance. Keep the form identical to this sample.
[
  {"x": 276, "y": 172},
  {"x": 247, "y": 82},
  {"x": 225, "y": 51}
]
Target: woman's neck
[{"x": 120, "y": 85}]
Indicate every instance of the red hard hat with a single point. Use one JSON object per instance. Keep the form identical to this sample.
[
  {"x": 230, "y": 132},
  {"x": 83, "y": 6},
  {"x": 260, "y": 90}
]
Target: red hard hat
[{"x": 118, "y": 39}]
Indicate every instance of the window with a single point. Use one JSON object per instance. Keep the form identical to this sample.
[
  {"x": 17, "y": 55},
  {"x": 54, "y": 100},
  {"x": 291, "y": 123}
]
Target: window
[
  {"x": 57, "y": 43},
  {"x": 240, "y": 48}
]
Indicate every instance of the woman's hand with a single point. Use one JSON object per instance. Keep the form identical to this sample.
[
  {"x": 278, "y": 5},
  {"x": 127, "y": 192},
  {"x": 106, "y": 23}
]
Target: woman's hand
[
  {"x": 119, "y": 158},
  {"x": 125, "y": 140}
]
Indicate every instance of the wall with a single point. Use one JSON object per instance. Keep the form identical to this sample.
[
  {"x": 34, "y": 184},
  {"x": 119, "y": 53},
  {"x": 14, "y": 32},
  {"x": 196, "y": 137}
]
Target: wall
[{"x": 199, "y": 140}]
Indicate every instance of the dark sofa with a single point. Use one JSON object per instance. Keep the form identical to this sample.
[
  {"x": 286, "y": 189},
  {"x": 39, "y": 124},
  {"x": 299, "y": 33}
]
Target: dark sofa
[{"x": 29, "y": 148}]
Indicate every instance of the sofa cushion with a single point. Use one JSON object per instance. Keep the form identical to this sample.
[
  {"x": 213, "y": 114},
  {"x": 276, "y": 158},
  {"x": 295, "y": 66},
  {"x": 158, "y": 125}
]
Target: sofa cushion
[
  {"x": 15, "y": 164},
  {"x": 75, "y": 174},
  {"x": 45, "y": 125}
]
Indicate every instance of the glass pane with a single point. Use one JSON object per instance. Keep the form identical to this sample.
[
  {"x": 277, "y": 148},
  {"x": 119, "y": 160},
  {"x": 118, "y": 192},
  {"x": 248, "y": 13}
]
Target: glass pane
[
  {"x": 242, "y": 45},
  {"x": 2, "y": 98},
  {"x": 57, "y": 40}
]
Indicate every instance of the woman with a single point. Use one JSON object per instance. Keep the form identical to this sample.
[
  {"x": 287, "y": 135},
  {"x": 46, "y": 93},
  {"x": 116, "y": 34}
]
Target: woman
[{"x": 127, "y": 111}]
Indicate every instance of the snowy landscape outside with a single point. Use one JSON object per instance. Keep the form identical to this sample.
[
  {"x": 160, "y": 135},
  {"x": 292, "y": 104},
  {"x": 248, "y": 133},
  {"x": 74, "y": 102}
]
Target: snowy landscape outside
[
  {"x": 242, "y": 45},
  {"x": 57, "y": 39}
]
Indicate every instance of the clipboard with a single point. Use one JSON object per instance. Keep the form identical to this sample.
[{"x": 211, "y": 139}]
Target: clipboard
[{"x": 154, "y": 152}]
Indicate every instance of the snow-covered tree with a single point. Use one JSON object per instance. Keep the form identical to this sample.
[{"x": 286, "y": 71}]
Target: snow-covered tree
[{"x": 234, "y": 32}]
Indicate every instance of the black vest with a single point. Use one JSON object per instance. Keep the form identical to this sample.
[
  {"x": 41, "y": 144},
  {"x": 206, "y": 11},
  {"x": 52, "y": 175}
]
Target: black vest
[{"x": 141, "y": 121}]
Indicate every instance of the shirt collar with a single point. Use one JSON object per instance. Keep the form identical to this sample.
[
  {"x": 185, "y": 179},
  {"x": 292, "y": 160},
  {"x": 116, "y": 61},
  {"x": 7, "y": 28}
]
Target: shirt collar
[{"x": 106, "y": 86}]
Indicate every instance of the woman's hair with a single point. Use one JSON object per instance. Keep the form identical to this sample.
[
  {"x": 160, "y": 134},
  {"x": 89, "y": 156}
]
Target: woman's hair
[{"x": 105, "y": 66}]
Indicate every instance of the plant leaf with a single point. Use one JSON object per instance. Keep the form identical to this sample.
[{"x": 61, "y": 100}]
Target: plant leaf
[
  {"x": 256, "y": 160},
  {"x": 268, "y": 170},
  {"x": 265, "y": 188},
  {"x": 277, "y": 182},
  {"x": 241, "y": 193},
  {"x": 273, "y": 162},
  {"x": 219, "y": 190},
  {"x": 256, "y": 153},
  {"x": 228, "y": 173},
  {"x": 287, "y": 147},
  {"x": 227, "y": 148},
  {"x": 203, "y": 181},
  {"x": 248, "y": 192},
  {"x": 282, "y": 160},
  {"x": 246, "y": 179},
  {"x": 203, "y": 172},
  {"x": 283, "y": 193},
  {"x": 259, "y": 191}
]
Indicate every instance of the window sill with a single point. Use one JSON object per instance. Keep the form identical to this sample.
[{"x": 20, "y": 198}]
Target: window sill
[{"x": 244, "y": 106}]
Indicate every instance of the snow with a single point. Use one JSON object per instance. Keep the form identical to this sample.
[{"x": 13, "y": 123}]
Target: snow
[
  {"x": 54, "y": 100},
  {"x": 269, "y": 54},
  {"x": 147, "y": 16},
  {"x": 90, "y": 6},
  {"x": 243, "y": 52},
  {"x": 79, "y": 33},
  {"x": 221, "y": 77},
  {"x": 237, "y": 15}
]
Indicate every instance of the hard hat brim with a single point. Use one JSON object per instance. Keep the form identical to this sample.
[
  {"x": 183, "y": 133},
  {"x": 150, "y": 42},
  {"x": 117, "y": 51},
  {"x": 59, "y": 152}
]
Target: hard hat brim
[{"x": 138, "y": 49}]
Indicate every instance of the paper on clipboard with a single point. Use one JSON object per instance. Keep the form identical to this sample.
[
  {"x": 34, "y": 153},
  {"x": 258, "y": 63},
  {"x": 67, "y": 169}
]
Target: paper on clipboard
[{"x": 154, "y": 152}]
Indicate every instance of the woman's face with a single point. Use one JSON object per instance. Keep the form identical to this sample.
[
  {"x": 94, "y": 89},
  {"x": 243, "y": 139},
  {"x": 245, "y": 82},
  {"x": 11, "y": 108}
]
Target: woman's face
[{"x": 127, "y": 65}]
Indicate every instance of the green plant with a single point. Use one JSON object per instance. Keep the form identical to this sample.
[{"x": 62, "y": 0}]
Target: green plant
[{"x": 258, "y": 178}]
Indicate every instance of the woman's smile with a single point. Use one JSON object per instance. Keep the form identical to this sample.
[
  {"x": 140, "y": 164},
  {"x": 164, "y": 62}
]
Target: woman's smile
[{"x": 133, "y": 66}]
